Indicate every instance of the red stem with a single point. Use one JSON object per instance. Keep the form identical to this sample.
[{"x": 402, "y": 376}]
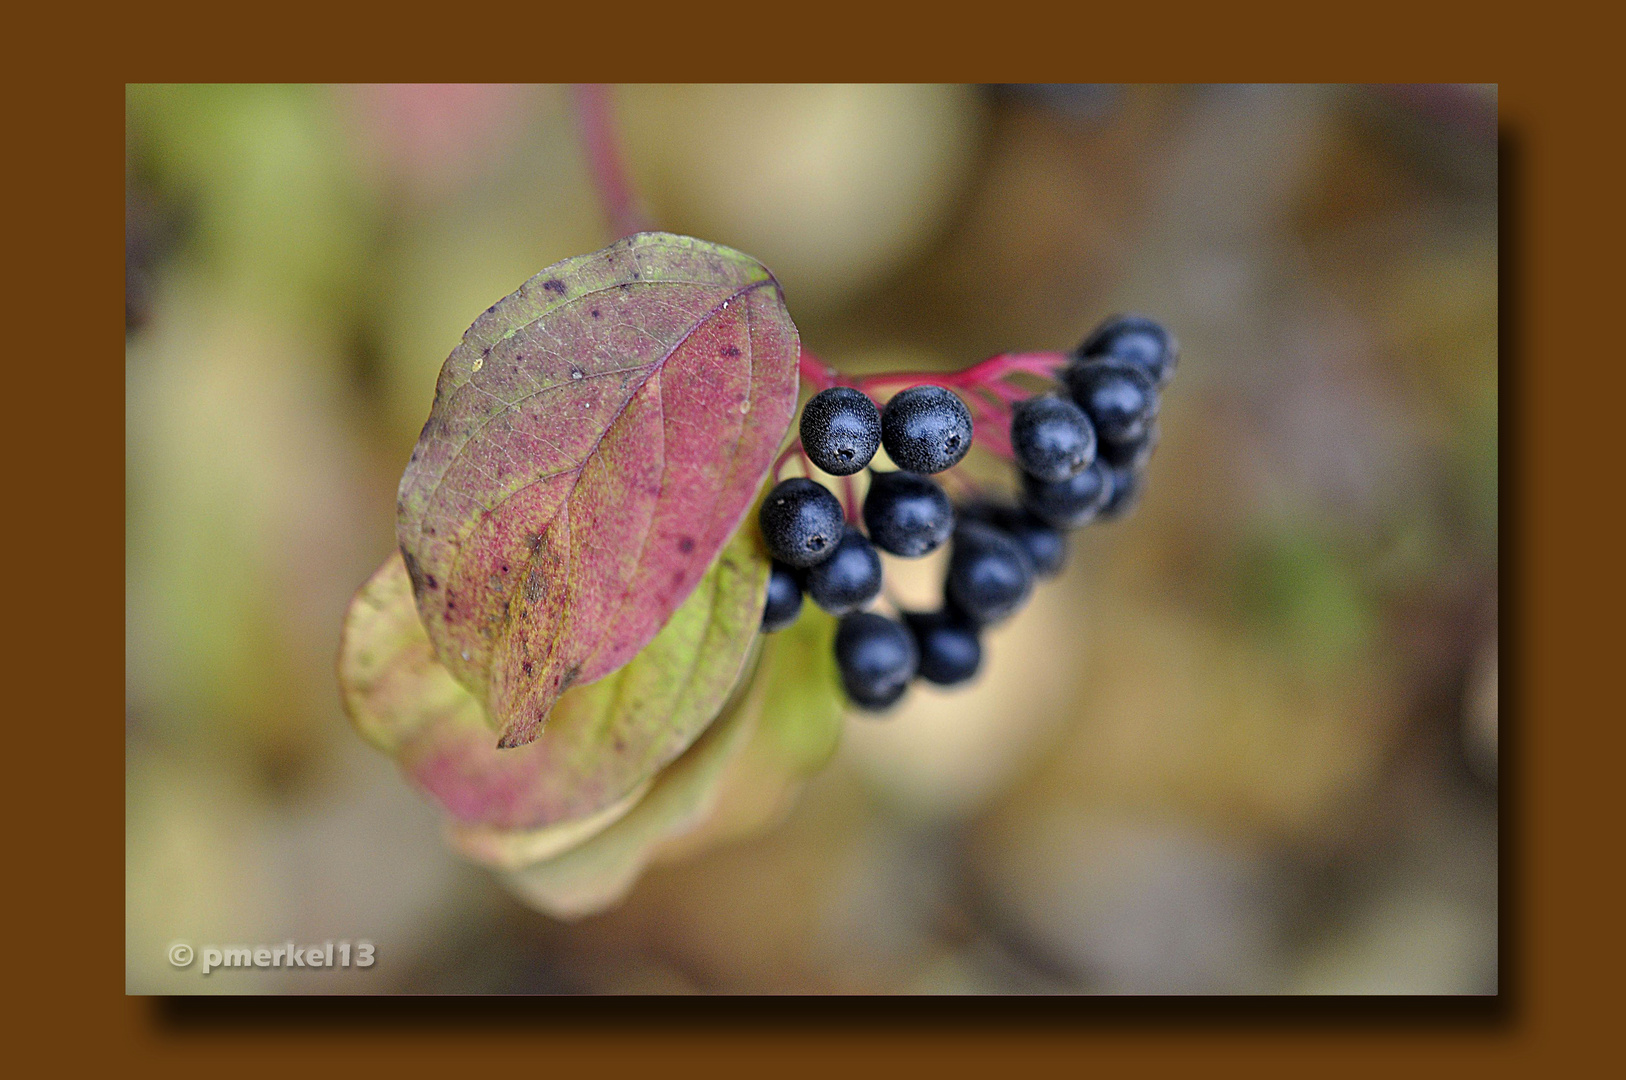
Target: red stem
[
  {"x": 594, "y": 115},
  {"x": 850, "y": 497},
  {"x": 980, "y": 384},
  {"x": 1044, "y": 365},
  {"x": 817, "y": 372},
  {"x": 791, "y": 451}
]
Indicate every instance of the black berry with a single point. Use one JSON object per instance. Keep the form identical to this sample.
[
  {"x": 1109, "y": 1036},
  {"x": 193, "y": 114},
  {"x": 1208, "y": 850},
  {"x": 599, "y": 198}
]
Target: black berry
[
  {"x": 1126, "y": 489},
  {"x": 801, "y": 521},
  {"x": 990, "y": 575},
  {"x": 1071, "y": 503},
  {"x": 1137, "y": 339},
  {"x": 849, "y": 578},
  {"x": 841, "y": 427},
  {"x": 1134, "y": 453},
  {"x": 1118, "y": 396},
  {"x": 784, "y": 598},
  {"x": 1045, "y": 544},
  {"x": 906, "y": 514},
  {"x": 1052, "y": 438},
  {"x": 925, "y": 429},
  {"x": 877, "y": 658},
  {"x": 950, "y": 650}
]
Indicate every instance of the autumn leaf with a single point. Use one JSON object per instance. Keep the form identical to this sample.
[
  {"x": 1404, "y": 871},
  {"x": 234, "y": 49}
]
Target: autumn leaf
[
  {"x": 738, "y": 778},
  {"x": 594, "y": 442},
  {"x": 605, "y": 739}
]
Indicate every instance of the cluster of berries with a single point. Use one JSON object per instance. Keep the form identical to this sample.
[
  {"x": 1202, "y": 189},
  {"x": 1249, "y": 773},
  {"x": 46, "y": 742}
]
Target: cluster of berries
[{"x": 1082, "y": 456}]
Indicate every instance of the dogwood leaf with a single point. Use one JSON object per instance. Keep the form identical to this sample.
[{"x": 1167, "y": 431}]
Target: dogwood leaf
[
  {"x": 604, "y": 740},
  {"x": 594, "y": 441}
]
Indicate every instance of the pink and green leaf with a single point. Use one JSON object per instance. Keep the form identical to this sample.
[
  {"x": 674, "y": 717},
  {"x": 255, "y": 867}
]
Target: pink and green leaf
[
  {"x": 604, "y": 740},
  {"x": 735, "y": 780},
  {"x": 594, "y": 442}
]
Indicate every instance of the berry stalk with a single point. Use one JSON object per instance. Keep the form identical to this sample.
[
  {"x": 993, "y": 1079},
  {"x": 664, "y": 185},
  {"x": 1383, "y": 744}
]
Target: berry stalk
[
  {"x": 604, "y": 160},
  {"x": 983, "y": 386}
]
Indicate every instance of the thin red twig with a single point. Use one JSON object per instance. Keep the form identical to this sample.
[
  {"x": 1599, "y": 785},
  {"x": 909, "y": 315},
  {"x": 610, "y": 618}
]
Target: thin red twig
[
  {"x": 594, "y": 115},
  {"x": 1044, "y": 365},
  {"x": 793, "y": 450},
  {"x": 850, "y": 499},
  {"x": 817, "y": 372}
]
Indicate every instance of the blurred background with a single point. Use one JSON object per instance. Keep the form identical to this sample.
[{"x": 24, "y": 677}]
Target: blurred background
[{"x": 1247, "y": 743}]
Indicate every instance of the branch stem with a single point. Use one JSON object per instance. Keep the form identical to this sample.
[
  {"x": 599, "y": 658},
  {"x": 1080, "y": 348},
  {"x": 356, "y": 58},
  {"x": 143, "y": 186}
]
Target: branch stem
[{"x": 595, "y": 117}]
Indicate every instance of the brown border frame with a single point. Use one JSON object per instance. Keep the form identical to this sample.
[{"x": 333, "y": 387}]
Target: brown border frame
[{"x": 1561, "y": 913}]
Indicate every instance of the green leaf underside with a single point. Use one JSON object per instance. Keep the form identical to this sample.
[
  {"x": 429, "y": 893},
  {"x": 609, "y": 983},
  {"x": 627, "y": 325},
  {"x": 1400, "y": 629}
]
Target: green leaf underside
[
  {"x": 594, "y": 442},
  {"x": 781, "y": 730},
  {"x": 604, "y": 739}
]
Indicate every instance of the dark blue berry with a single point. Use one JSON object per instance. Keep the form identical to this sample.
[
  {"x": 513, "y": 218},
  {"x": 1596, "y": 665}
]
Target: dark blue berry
[
  {"x": 848, "y": 579},
  {"x": 877, "y": 657},
  {"x": 841, "y": 427},
  {"x": 978, "y": 510},
  {"x": 1118, "y": 396},
  {"x": 1134, "y": 453},
  {"x": 784, "y": 598},
  {"x": 925, "y": 429},
  {"x": 950, "y": 650},
  {"x": 1137, "y": 339},
  {"x": 801, "y": 521},
  {"x": 1126, "y": 489},
  {"x": 1052, "y": 438},
  {"x": 990, "y": 575},
  {"x": 906, "y": 514},
  {"x": 1071, "y": 503},
  {"x": 1045, "y": 544}
]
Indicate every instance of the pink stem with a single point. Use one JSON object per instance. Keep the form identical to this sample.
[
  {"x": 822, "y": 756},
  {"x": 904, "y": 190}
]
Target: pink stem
[
  {"x": 995, "y": 437},
  {"x": 817, "y": 372},
  {"x": 980, "y": 385},
  {"x": 594, "y": 115},
  {"x": 791, "y": 451},
  {"x": 1005, "y": 391},
  {"x": 850, "y": 497},
  {"x": 1044, "y": 365}
]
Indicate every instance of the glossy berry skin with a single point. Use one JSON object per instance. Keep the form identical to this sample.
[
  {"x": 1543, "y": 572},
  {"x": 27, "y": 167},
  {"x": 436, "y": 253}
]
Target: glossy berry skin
[
  {"x": 1071, "y": 503},
  {"x": 1126, "y": 490},
  {"x": 1118, "y": 396},
  {"x": 1045, "y": 544},
  {"x": 925, "y": 429},
  {"x": 990, "y": 574},
  {"x": 801, "y": 522},
  {"x": 1134, "y": 453},
  {"x": 877, "y": 657},
  {"x": 950, "y": 649},
  {"x": 849, "y": 578},
  {"x": 1138, "y": 340},
  {"x": 841, "y": 429},
  {"x": 906, "y": 514},
  {"x": 1052, "y": 438},
  {"x": 784, "y": 599}
]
